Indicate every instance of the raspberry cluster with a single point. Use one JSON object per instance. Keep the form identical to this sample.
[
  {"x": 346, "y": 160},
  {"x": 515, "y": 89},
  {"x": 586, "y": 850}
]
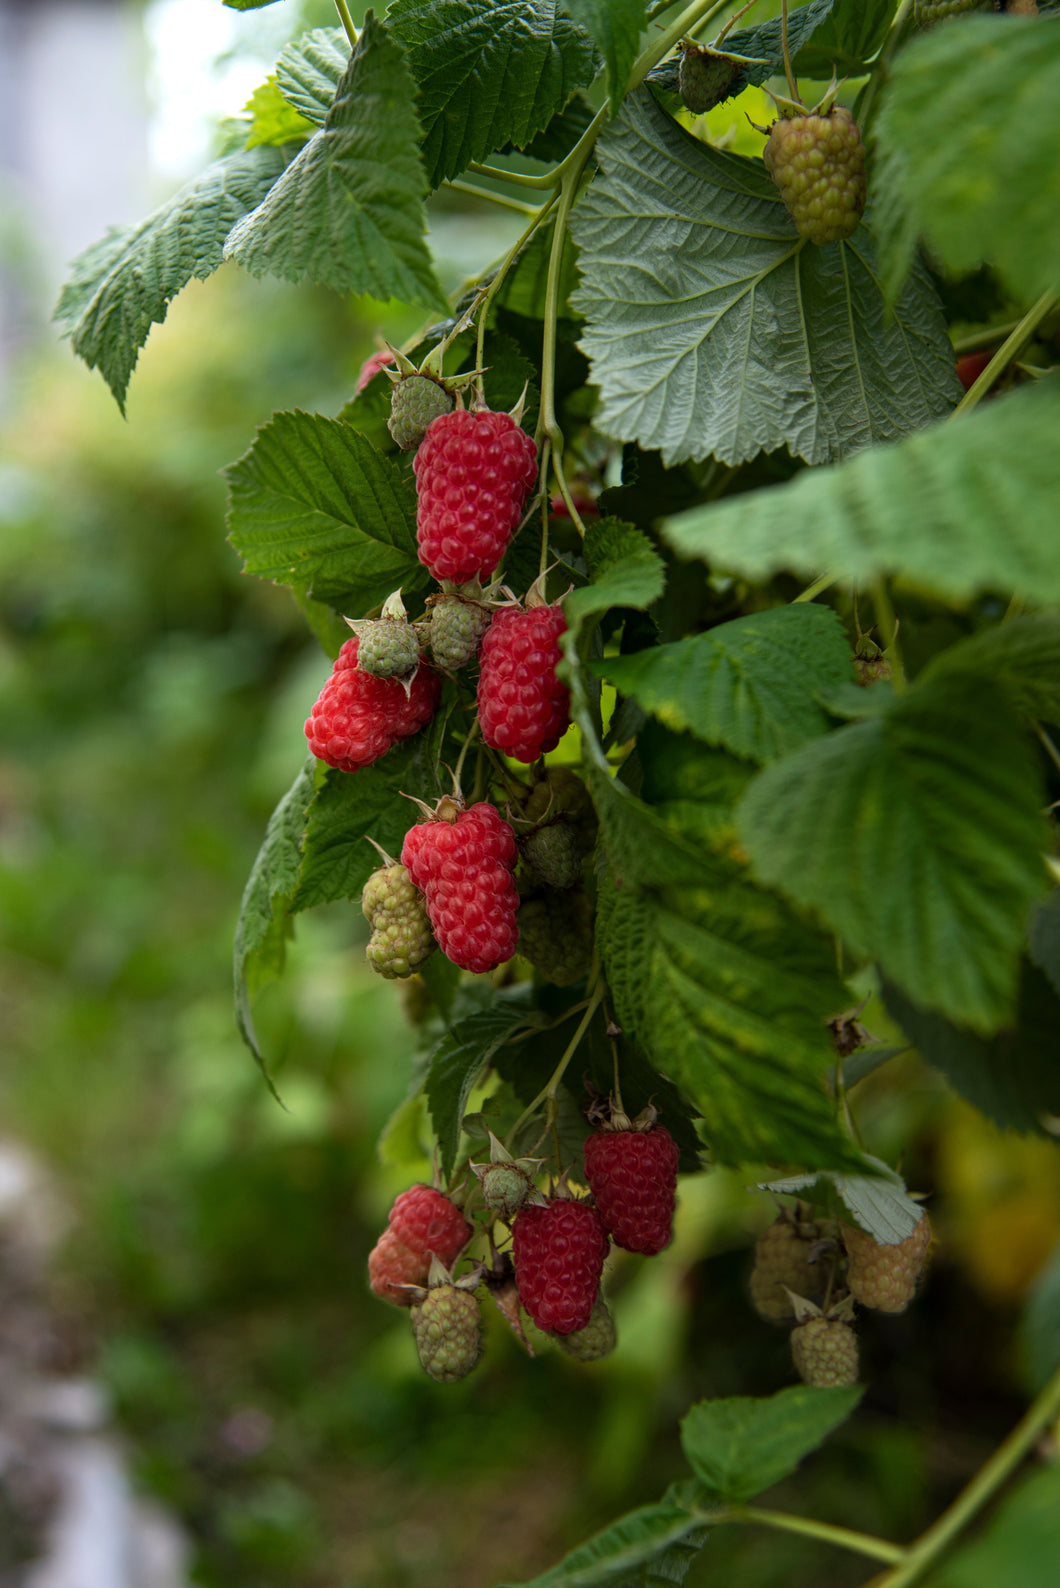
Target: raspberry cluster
[{"x": 357, "y": 717}]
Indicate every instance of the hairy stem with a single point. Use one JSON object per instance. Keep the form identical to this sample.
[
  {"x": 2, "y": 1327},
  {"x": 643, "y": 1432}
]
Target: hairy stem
[
  {"x": 1009, "y": 350},
  {"x": 844, "y": 1537}
]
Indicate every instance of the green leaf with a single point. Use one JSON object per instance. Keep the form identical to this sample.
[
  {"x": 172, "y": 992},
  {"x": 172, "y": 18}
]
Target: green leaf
[
  {"x": 348, "y": 211},
  {"x": 959, "y": 509},
  {"x": 272, "y": 119},
  {"x": 459, "y": 1059},
  {"x": 1044, "y": 937},
  {"x": 917, "y": 836},
  {"x": 262, "y": 929},
  {"x": 489, "y": 72},
  {"x": 993, "y": 193},
  {"x": 848, "y": 40},
  {"x": 878, "y": 1204},
  {"x": 624, "y": 569},
  {"x": 1020, "y": 1543},
  {"x": 350, "y": 808},
  {"x": 1039, "y": 1332},
  {"x": 1021, "y": 655},
  {"x": 616, "y": 25},
  {"x": 123, "y": 285},
  {"x": 310, "y": 69},
  {"x": 713, "y": 329},
  {"x": 739, "y": 1447},
  {"x": 1012, "y": 1077},
  {"x": 313, "y": 505},
  {"x": 748, "y": 684},
  {"x": 623, "y": 1555},
  {"x": 247, "y": 5}
]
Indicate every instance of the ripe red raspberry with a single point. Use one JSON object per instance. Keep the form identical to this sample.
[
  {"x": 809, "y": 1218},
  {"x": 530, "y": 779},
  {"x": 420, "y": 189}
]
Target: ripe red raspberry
[
  {"x": 474, "y": 472},
  {"x": 426, "y": 1221},
  {"x": 885, "y": 1277},
  {"x": 358, "y": 718},
  {"x": 523, "y": 708},
  {"x": 559, "y": 1252},
  {"x": 392, "y": 1266},
  {"x": 462, "y": 863},
  {"x": 633, "y": 1177}
]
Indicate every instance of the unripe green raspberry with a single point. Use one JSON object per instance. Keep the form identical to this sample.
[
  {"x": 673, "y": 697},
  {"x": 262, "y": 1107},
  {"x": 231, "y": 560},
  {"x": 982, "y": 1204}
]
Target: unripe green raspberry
[
  {"x": 554, "y": 854},
  {"x": 926, "y": 12},
  {"x": 705, "y": 77},
  {"x": 448, "y": 1330},
  {"x": 825, "y": 1353},
  {"x": 457, "y": 627},
  {"x": 885, "y": 1277},
  {"x": 401, "y": 934},
  {"x": 560, "y": 792},
  {"x": 416, "y": 401},
  {"x": 388, "y": 648},
  {"x": 505, "y": 1188},
  {"x": 818, "y": 163},
  {"x": 596, "y": 1340},
  {"x": 556, "y": 935},
  {"x": 782, "y": 1263}
]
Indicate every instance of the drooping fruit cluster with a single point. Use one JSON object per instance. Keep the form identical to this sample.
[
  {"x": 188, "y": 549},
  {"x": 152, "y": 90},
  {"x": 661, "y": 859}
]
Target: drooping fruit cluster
[
  {"x": 357, "y": 718},
  {"x": 461, "y": 860},
  {"x": 422, "y": 1223},
  {"x": 818, "y": 164},
  {"x": 885, "y": 1277},
  {"x": 559, "y": 1252},
  {"x": 523, "y": 708},
  {"x": 401, "y": 933},
  {"x": 474, "y": 470},
  {"x": 631, "y": 1167}
]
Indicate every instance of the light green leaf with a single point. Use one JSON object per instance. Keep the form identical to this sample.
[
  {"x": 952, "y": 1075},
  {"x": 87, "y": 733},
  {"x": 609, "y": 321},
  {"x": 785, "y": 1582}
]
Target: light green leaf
[
  {"x": 248, "y": 5},
  {"x": 748, "y": 684},
  {"x": 624, "y": 569},
  {"x": 1020, "y": 1543},
  {"x": 348, "y": 211},
  {"x": 916, "y": 834},
  {"x": 315, "y": 506},
  {"x": 459, "y": 1059},
  {"x": 714, "y": 329},
  {"x": 959, "y": 509},
  {"x": 124, "y": 284},
  {"x": 622, "y": 1555},
  {"x": 993, "y": 193},
  {"x": 616, "y": 26},
  {"x": 272, "y": 119},
  {"x": 489, "y": 72},
  {"x": 1022, "y": 655},
  {"x": 262, "y": 929},
  {"x": 741, "y": 1446},
  {"x": 1013, "y": 1077},
  {"x": 310, "y": 69}
]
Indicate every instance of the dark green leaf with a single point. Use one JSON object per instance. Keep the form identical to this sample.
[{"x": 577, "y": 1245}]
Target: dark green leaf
[
  {"x": 315, "y": 506},
  {"x": 624, "y": 1554},
  {"x": 1013, "y": 1077},
  {"x": 1019, "y": 1545},
  {"x": 762, "y": 44},
  {"x": 262, "y": 929},
  {"x": 459, "y": 1059},
  {"x": 848, "y": 40},
  {"x": 562, "y": 132},
  {"x": 741, "y": 1446},
  {"x": 994, "y": 192},
  {"x": 624, "y": 569},
  {"x": 959, "y": 509},
  {"x": 348, "y": 211},
  {"x": 124, "y": 284},
  {"x": 748, "y": 685},
  {"x": 350, "y": 808},
  {"x": 616, "y": 26},
  {"x": 1022, "y": 655},
  {"x": 1044, "y": 937},
  {"x": 310, "y": 69},
  {"x": 489, "y": 72},
  {"x": 1040, "y": 1325},
  {"x": 917, "y": 836},
  {"x": 714, "y": 329}
]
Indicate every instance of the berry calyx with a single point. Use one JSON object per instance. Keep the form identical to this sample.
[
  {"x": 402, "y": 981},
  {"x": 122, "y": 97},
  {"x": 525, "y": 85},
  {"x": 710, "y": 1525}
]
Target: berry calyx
[
  {"x": 559, "y": 1252},
  {"x": 474, "y": 470},
  {"x": 462, "y": 862},
  {"x": 885, "y": 1277},
  {"x": 506, "y": 1182},
  {"x": 523, "y": 708},
  {"x": 818, "y": 164},
  {"x": 447, "y": 1326},
  {"x": 357, "y": 718},
  {"x": 632, "y": 1173},
  {"x": 825, "y": 1353},
  {"x": 401, "y": 933}
]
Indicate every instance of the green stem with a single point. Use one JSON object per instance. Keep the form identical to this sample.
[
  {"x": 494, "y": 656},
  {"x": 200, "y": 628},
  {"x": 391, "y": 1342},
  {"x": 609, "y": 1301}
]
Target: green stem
[
  {"x": 1009, "y": 350},
  {"x": 844, "y": 1537},
  {"x": 486, "y": 293},
  {"x": 881, "y": 70},
  {"x": 1047, "y": 744},
  {"x": 549, "y": 1091},
  {"x": 347, "y": 21},
  {"x": 545, "y": 179},
  {"x": 547, "y": 424},
  {"x": 887, "y": 624},
  {"x": 814, "y": 590},
  {"x": 492, "y": 198},
  {"x": 543, "y": 563},
  {"x": 977, "y": 340},
  {"x": 1006, "y": 1458},
  {"x": 793, "y": 87}
]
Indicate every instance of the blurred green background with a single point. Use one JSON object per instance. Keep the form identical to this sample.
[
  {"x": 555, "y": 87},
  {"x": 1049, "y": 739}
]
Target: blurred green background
[{"x": 151, "y": 702}]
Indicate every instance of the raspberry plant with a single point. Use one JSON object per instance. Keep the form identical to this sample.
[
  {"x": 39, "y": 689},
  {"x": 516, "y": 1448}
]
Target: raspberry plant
[{"x": 798, "y": 584}]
